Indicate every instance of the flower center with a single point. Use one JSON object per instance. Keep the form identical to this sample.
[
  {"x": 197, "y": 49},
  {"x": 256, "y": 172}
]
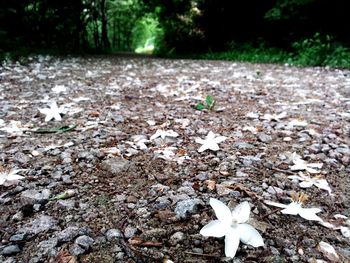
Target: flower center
[{"x": 234, "y": 223}]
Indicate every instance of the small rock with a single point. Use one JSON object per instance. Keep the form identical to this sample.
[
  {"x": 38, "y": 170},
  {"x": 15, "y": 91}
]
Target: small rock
[
  {"x": 113, "y": 234},
  {"x": 177, "y": 237},
  {"x": 18, "y": 237},
  {"x": 222, "y": 190},
  {"x": 40, "y": 224},
  {"x": 76, "y": 250},
  {"x": 68, "y": 234},
  {"x": 21, "y": 158},
  {"x": 154, "y": 233},
  {"x": 116, "y": 166},
  {"x": 264, "y": 137},
  {"x": 10, "y": 250},
  {"x": 47, "y": 247},
  {"x": 130, "y": 231},
  {"x": 84, "y": 241},
  {"x": 185, "y": 207},
  {"x": 274, "y": 190},
  {"x": 34, "y": 196}
]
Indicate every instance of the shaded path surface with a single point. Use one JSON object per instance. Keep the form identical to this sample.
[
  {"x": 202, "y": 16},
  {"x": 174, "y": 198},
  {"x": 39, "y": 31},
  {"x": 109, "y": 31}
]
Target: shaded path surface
[{"x": 133, "y": 199}]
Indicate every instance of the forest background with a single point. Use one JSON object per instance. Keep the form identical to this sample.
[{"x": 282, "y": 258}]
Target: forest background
[{"x": 297, "y": 32}]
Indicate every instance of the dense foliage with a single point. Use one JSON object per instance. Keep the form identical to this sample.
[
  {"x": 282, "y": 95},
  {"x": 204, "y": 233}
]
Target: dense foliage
[{"x": 308, "y": 32}]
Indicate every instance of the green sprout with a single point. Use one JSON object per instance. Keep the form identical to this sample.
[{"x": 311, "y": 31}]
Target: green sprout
[{"x": 207, "y": 104}]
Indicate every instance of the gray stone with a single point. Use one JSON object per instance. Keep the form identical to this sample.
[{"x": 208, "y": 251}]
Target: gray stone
[
  {"x": 76, "y": 250},
  {"x": 68, "y": 204},
  {"x": 84, "y": 241},
  {"x": 47, "y": 247},
  {"x": 10, "y": 250},
  {"x": 274, "y": 190},
  {"x": 243, "y": 145},
  {"x": 177, "y": 237},
  {"x": 21, "y": 158},
  {"x": 68, "y": 234},
  {"x": 113, "y": 234},
  {"x": 263, "y": 137},
  {"x": 249, "y": 160},
  {"x": 130, "y": 231},
  {"x": 154, "y": 233},
  {"x": 34, "y": 196},
  {"x": 18, "y": 237},
  {"x": 40, "y": 224},
  {"x": 116, "y": 166},
  {"x": 186, "y": 207}
]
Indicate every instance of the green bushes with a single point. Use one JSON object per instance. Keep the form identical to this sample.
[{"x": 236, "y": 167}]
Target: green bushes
[{"x": 318, "y": 50}]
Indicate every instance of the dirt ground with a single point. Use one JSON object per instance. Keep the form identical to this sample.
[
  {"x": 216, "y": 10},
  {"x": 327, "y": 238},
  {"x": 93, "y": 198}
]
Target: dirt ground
[{"x": 136, "y": 199}]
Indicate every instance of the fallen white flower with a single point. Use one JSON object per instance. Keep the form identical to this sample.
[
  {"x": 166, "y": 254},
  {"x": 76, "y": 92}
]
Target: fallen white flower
[
  {"x": 233, "y": 226},
  {"x": 295, "y": 208},
  {"x": 59, "y": 88},
  {"x": 9, "y": 176},
  {"x": 298, "y": 123},
  {"x": 163, "y": 134},
  {"x": 53, "y": 112},
  {"x": 307, "y": 182},
  {"x": 301, "y": 165},
  {"x": 338, "y": 224},
  {"x": 275, "y": 117},
  {"x": 210, "y": 142}
]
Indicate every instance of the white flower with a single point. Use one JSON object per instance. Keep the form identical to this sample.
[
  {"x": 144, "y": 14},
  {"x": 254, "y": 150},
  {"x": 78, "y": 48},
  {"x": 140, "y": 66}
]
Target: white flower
[
  {"x": 275, "y": 117},
  {"x": 300, "y": 164},
  {"x": 59, "y": 88},
  {"x": 307, "y": 182},
  {"x": 295, "y": 208},
  {"x": 163, "y": 134},
  {"x": 233, "y": 226},
  {"x": 53, "y": 112},
  {"x": 9, "y": 176},
  {"x": 210, "y": 142}
]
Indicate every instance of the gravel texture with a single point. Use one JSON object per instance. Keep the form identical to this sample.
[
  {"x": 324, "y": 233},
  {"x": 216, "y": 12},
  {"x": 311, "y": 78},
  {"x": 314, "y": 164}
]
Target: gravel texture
[{"x": 96, "y": 188}]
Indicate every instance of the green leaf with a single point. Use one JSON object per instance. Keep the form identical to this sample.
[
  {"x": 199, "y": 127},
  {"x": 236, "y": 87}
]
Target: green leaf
[
  {"x": 56, "y": 130},
  {"x": 200, "y": 106},
  {"x": 210, "y": 102}
]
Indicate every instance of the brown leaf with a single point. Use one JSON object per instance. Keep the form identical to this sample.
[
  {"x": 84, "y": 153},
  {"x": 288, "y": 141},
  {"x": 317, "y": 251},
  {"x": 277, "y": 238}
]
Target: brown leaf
[{"x": 64, "y": 257}]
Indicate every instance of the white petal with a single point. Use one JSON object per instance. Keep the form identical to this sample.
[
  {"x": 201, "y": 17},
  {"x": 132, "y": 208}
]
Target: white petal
[
  {"x": 249, "y": 235},
  {"x": 345, "y": 231},
  {"x": 275, "y": 204},
  {"x": 292, "y": 209},
  {"x": 200, "y": 141},
  {"x": 220, "y": 139},
  {"x": 2, "y": 179},
  {"x": 212, "y": 146},
  {"x": 241, "y": 212},
  {"x": 14, "y": 177},
  {"x": 156, "y": 135},
  {"x": 222, "y": 212},
  {"x": 210, "y": 136},
  {"x": 202, "y": 148},
  {"x": 312, "y": 170},
  {"x": 214, "y": 229},
  {"x": 306, "y": 184},
  {"x": 310, "y": 213},
  {"x": 323, "y": 184},
  {"x": 231, "y": 244}
]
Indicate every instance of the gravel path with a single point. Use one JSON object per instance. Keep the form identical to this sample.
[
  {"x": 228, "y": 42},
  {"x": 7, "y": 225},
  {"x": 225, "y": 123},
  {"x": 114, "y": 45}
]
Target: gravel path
[{"x": 97, "y": 184}]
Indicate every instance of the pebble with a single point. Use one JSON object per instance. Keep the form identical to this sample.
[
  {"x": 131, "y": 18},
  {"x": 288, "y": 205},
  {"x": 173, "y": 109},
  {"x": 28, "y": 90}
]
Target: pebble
[
  {"x": 177, "y": 237},
  {"x": 130, "y": 231},
  {"x": 18, "y": 237},
  {"x": 33, "y": 196},
  {"x": 40, "y": 224},
  {"x": 76, "y": 250},
  {"x": 68, "y": 234},
  {"x": 113, "y": 234},
  {"x": 263, "y": 137},
  {"x": 115, "y": 166},
  {"x": 84, "y": 241},
  {"x": 185, "y": 207},
  {"x": 10, "y": 250},
  {"x": 47, "y": 247}
]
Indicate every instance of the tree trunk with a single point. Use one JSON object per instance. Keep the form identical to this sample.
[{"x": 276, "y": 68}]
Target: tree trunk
[{"x": 104, "y": 33}]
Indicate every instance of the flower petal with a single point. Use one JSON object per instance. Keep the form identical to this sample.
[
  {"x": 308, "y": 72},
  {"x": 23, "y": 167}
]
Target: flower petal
[
  {"x": 310, "y": 213},
  {"x": 214, "y": 229},
  {"x": 231, "y": 243},
  {"x": 222, "y": 212},
  {"x": 212, "y": 145},
  {"x": 275, "y": 204},
  {"x": 241, "y": 212},
  {"x": 249, "y": 235},
  {"x": 292, "y": 209},
  {"x": 305, "y": 184},
  {"x": 323, "y": 184},
  {"x": 220, "y": 139}
]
